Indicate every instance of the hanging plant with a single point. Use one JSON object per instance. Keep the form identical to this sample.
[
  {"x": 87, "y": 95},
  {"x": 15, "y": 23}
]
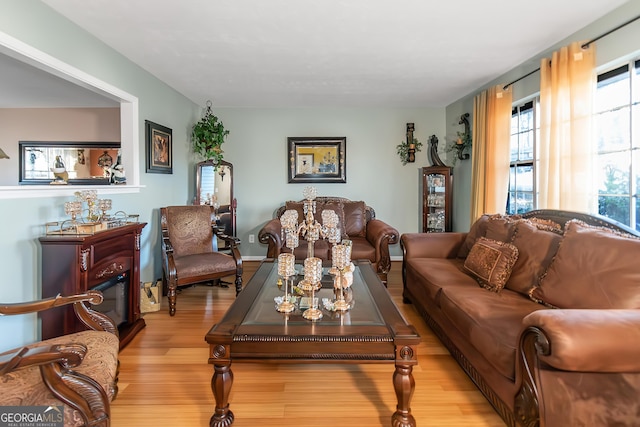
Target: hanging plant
[
  {"x": 403, "y": 150},
  {"x": 208, "y": 135}
]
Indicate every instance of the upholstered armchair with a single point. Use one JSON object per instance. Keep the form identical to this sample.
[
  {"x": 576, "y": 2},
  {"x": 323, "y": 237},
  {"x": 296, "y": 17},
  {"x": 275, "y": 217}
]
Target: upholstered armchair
[
  {"x": 78, "y": 371},
  {"x": 371, "y": 237},
  {"x": 189, "y": 250}
]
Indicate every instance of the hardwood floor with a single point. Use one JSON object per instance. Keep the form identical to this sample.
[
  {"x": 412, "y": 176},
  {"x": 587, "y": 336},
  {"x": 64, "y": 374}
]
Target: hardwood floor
[{"x": 165, "y": 377}]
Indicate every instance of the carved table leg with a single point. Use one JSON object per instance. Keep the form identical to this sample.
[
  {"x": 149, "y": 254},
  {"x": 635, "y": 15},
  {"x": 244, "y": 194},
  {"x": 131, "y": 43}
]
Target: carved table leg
[
  {"x": 221, "y": 386},
  {"x": 404, "y": 385}
]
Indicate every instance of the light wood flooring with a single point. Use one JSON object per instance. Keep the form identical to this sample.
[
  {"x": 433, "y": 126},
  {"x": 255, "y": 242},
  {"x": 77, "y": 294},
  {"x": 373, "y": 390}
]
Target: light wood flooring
[{"x": 165, "y": 377}]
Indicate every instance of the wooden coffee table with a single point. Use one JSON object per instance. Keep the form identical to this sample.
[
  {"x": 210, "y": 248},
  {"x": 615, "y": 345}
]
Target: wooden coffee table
[{"x": 372, "y": 331}]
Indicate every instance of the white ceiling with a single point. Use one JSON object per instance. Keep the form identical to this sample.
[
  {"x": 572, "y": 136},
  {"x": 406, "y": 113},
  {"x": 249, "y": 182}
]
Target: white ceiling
[{"x": 311, "y": 53}]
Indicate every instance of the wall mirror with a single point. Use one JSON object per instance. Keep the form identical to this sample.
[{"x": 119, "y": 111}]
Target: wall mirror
[
  {"x": 86, "y": 163},
  {"x": 214, "y": 186}
]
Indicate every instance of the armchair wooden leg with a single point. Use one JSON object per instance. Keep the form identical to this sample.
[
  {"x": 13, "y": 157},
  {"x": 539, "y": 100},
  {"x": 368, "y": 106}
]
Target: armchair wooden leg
[
  {"x": 238, "y": 283},
  {"x": 171, "y": 296}
]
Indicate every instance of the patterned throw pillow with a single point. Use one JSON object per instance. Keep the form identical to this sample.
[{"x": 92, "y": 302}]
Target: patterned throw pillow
[{"x": 491, "y": 262}]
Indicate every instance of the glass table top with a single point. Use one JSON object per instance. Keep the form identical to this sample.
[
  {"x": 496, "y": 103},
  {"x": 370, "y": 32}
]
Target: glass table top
[{"x": 363, "y": 310}]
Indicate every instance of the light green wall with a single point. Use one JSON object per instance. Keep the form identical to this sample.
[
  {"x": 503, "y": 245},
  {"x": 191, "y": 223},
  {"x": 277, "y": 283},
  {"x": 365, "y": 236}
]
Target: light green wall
[
  {"x": 257, "y": 147},
  {"x": 620, "y": 45}
]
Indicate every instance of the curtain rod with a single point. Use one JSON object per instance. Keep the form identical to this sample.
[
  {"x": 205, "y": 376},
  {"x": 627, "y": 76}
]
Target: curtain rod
[{"x": 584, "y": 46}]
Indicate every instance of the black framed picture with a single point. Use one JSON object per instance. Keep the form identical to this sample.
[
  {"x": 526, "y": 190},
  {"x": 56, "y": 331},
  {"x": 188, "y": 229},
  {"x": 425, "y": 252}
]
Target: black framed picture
[
  {"x": 159, "y": 148},
  {"x": 317, "y": 159}
]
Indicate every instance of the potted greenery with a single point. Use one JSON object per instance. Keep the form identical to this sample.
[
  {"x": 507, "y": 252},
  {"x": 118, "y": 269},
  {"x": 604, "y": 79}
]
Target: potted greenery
[
  {"x": 208, "y": 135},
  {"x": 403, "y": 150}
]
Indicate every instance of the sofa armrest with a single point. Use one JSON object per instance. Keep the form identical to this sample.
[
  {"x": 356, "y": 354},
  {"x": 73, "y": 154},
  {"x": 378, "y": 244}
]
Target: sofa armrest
[
  {"x": 578, "y": 367},
  {"x": 588, "y": 340},
  {"x": 431, "y": 245},
  {"x": 381, "y": 235},
  {"x": 271, "y": 234}
]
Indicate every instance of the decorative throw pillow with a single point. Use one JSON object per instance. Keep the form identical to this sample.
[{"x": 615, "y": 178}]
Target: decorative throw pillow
[
  {"x": 537, "y": 243},
  {"x": 354, "y": 218},
  {"x": 594, "y": 268},
  {"x": 491, "y": 262}
]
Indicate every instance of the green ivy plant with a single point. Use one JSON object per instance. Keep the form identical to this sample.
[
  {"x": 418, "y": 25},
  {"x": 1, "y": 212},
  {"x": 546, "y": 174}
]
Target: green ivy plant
[
  {"x": 403, "y": 150},
  {"x": 208, "y": 135}
]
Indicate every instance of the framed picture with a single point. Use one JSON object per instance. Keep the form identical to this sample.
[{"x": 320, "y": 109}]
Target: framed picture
[
  {"x": 317, "y": 159},
  {"x": 159, "y": 148}
]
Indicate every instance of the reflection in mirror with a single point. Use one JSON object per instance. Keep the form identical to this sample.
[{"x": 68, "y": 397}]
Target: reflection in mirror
[
  {"x": 214, "y": 186},
  {"x": 68, "y": 162}
]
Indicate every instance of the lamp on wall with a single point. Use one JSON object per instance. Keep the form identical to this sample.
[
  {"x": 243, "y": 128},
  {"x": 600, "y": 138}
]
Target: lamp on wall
[{"x": 3, "y": 155}]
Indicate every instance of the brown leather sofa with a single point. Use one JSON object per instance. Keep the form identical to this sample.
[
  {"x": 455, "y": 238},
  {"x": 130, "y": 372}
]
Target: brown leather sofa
[
  {"x": 549, "y": 332},
  {"x": 371, "y": 237}
]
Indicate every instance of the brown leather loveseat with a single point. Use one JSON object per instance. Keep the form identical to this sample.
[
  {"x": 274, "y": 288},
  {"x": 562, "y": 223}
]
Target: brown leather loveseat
[
  {"x": 541, "y": 311},
  {"x": 371, "y": 237}
]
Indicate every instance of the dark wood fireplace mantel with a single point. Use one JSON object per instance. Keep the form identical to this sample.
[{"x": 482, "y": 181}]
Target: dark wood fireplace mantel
[{"x": 76, "y": 263}]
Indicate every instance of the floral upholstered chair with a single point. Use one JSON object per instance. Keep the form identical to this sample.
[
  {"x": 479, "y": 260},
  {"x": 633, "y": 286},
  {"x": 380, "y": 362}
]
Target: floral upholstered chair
[{"x": 77, "y": 371}]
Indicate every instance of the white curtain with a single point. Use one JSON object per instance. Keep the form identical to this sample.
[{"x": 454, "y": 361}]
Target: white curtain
[{"x": 566, "y": 169}]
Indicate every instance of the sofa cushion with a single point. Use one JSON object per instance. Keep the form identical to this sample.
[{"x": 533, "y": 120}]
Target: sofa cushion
[
  {"x": 362, "y": 249},
  {"x": 354, "y": 218},
  {"x": 490, "y": 322},
  {"x": 594, "y": 268},
  {"x": 537, "y": 243},
  {"x": 497, "y": 227},
  {"x": 491, "y": 262},
  {"x": 477, "y": 230},
  {"x": 427, "y": 276}
]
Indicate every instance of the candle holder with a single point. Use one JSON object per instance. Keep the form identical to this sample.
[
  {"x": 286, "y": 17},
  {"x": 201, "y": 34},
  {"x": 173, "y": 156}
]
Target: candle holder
[
  {"x": 341, "y": 260},
  {"x": 104, "y": 205},
  {"x": 73, "y": 209},
  {"x": 311, "y": 282},
  {"x": 286, "y": 269}
]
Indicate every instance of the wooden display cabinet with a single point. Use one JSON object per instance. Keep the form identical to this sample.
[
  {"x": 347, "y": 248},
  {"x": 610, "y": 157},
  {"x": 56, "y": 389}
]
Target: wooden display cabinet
[
  {"x": 437, "y": 198},
  {"x": 75, "y": 263}
]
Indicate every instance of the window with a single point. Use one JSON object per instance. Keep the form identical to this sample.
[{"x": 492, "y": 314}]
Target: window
[
  {"x": 617, "y": 124},
  {"x": 525, "y": 131}
]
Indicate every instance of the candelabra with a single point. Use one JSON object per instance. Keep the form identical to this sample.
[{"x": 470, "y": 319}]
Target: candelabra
[
  {"x": 90, "y": 197},
  {"x": 311, "y": 230}
]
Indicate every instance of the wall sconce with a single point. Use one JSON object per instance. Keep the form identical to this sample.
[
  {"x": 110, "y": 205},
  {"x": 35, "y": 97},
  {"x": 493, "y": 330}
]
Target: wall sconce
[
  {"x": 464, "y": 138},
  {"x": 411, "y": 152},
  {"x": 3, "y": 155}
]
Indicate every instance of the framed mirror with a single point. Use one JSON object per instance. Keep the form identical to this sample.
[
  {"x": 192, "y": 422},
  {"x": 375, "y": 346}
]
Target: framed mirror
[
  {"x": 85, "y": 163},
  {"x": 214, "y": 186}
]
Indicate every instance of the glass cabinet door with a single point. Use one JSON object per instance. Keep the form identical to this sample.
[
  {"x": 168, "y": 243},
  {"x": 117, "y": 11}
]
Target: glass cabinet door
[{"x": 437, "y": 199}]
